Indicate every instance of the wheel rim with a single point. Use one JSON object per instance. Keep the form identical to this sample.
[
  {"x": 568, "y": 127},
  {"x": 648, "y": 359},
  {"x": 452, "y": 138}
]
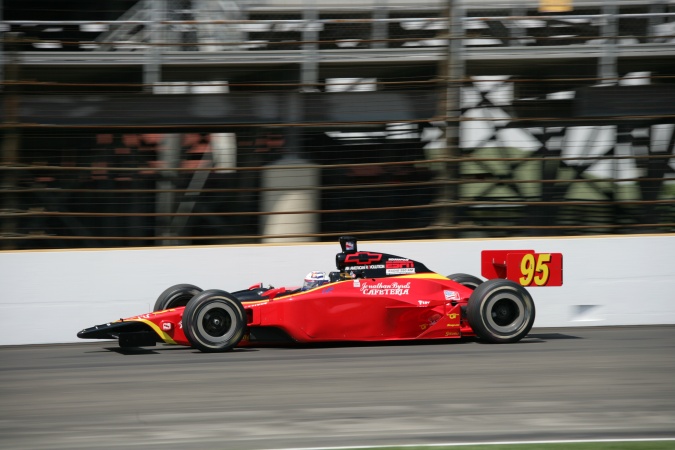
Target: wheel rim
[
  {"x": 215, "y": 322},
  {"x": 506, "y": 313}
]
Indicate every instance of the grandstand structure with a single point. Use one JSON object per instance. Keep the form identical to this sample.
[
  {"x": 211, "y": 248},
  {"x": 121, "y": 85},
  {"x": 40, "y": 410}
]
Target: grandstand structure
[{"x": 161, "y": 122}]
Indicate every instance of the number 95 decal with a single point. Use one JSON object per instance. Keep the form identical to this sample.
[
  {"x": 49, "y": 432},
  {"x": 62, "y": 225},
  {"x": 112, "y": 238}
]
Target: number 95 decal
[{"x": 535, "y": 269}]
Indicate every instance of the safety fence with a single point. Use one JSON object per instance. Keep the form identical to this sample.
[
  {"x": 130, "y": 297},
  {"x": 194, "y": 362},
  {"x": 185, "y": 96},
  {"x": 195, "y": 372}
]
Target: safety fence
[{"x": 152, "y": 124}]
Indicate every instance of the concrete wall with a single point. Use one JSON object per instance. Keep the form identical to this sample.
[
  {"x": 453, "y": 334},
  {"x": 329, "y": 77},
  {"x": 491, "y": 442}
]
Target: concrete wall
[{"x": 47, "y": 296}]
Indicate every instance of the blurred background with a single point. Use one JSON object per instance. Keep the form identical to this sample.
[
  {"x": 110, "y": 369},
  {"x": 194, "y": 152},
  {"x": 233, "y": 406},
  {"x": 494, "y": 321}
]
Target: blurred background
[{"x": 180, "y": 122}]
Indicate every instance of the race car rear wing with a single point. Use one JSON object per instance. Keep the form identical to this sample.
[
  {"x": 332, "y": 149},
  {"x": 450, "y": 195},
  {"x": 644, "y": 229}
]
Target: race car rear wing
[{"x": 525, "y": 267}]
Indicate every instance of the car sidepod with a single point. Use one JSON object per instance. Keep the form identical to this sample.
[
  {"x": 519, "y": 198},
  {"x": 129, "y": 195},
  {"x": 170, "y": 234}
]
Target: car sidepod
[{"x": 393, "y": 308}]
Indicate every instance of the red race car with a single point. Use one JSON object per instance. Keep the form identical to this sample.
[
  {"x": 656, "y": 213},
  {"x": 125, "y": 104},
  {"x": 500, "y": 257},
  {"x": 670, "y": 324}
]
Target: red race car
[{"x": 371, "y": 297}]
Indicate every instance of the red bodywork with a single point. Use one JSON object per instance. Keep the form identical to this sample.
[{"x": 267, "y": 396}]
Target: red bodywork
[{"x": 423, "y": 306}]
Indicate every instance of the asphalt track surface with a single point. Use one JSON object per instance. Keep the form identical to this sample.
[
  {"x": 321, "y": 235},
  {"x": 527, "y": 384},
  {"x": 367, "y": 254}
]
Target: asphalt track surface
[{"x": 575, "y": 383}]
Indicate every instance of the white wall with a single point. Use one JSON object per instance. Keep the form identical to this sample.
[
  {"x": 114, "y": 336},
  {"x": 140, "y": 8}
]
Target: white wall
[{"x": 48, "y": 296}]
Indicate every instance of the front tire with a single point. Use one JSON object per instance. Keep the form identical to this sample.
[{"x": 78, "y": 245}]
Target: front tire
[
  {"x": 214, "y": 321},
  {"x": 175, "y": 296},
  {"x": 500, "y": 311}
]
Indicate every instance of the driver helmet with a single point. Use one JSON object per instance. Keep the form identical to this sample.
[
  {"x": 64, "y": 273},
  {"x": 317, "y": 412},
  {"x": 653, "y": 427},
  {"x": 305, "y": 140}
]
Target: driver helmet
[{"x": 315, "y": 279}]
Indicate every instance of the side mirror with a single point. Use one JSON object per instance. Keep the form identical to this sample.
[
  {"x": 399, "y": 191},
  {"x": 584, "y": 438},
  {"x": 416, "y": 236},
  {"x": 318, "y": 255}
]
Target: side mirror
[
  {"x": 272, "y": 293},
  {"x": 348, "y": 244}
]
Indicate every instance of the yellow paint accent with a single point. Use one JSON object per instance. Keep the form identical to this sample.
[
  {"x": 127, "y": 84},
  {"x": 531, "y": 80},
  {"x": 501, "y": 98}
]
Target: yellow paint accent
[
  {"x": 542, "y": 267},
  {"x": 535, "y": 270},
  {"x": 165, "y": 337},
  {"x": 254, "y": 302},
  {"x": 428, "y": 276},
  {"x": 527, "y": 269}
]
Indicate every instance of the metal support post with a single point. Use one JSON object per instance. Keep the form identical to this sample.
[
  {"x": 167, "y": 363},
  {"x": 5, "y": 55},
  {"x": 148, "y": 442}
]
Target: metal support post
[
  {"x": 165, "y": 200},
  {"x": 516, "y": 32},
  {"x": 607, "y": 70},
  {"x": 380, "y": 25},
  {"x": 453, "y": 71},
  {"x": 310, "y": 35},
  {"x": 152, "y": 66}
]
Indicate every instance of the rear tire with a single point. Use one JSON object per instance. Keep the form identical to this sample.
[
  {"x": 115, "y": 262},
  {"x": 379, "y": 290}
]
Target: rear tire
[
  {"x": 500, "y": 311},
  {"x": 175, "y": 296},
  {"x": 214, "y": 321},
  {"x": 466, "y": 280}
]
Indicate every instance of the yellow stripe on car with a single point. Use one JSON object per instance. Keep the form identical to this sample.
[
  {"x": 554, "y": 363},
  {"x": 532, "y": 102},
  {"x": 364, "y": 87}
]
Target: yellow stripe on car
[
  {"x": 429, "y": 276},
  {"x": 165, "y": 337}
]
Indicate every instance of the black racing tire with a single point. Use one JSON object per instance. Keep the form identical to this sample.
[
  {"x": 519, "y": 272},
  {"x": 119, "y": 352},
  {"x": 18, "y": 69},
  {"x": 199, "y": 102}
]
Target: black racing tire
[
  {"x": 500, "y": 311},
  {"x": 175, "y": 296},
  {"x": 214, "y": 321},
  {"x": 466, "y": 280}
]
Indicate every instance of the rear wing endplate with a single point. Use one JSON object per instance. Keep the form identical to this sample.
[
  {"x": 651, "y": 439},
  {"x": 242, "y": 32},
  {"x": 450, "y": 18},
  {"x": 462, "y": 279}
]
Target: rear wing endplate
[{"x": 525, "y": 267}]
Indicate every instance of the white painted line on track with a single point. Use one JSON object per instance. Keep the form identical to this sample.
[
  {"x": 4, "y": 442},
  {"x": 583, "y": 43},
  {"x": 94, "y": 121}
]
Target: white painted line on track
[{"x": 465, "y": 444}]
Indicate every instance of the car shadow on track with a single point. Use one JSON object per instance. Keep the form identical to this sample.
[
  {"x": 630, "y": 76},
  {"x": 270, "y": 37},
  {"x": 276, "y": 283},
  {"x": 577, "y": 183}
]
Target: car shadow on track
[
  {"x": 532, "y": 338},
  {"x": 130, "y": 351},
  {"x": 550, "y": 336}
]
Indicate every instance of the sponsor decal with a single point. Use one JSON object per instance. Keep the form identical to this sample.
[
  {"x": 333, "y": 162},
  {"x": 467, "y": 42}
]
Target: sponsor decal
[
  {"x": 349, "y": 245},
  {"x": 396, "y": 263},
  {"x": 400, "y": 266},
  {"x": 452, "y": 333},
  {"x": 451, "y": 295},
  {"x": 363, "y": 258},
  {"x": 372, "y": 266},
  {"x": 402, "y": 271},
  {"x": 385, "y": 288},
  {"x": 357, "y": 283},
  {"x": 327, "y": 290},
  {"x": 423, "y": 302},
  {"x": 424, "y": 326},
  {"x": 257, "y": 303},
  {"x": 452, "y": 316},
  {"x": 166, "y": 326}
]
